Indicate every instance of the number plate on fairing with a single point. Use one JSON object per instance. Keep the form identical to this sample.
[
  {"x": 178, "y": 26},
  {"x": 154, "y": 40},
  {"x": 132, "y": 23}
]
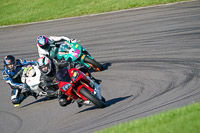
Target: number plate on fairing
[{"x": 66, "y": 87}]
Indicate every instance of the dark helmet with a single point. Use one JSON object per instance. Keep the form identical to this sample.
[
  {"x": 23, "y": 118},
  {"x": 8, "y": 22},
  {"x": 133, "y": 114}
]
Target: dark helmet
[
  {"x": 9, "y": 62},
  {"x": 42, "y": 41}
]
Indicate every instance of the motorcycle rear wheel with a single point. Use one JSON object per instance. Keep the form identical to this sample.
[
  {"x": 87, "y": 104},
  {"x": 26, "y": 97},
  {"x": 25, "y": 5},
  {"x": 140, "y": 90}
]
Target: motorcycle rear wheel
[
  {"x": 87, "y": 94},
  {"x": 96, "y": 64}
]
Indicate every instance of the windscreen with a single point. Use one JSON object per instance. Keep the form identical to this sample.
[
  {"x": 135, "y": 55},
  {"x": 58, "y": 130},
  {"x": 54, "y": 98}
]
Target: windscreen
[{"x": 63, "y": 75}]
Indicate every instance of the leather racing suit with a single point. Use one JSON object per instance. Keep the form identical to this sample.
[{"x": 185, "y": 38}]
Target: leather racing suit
[
  {"x": 13, "y": 78},
  {"x": 52, "y": 50}
]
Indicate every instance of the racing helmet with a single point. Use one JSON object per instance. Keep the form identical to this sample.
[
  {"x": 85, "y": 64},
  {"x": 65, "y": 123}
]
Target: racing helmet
[
  {"x": 42, "y": 41},
  {"x": 44, "y": 64},
  {"x": 9, "y": 62},
  {"x": 30, "y": 71}
]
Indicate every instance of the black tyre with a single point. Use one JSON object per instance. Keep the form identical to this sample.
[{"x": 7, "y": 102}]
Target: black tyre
[
  {"x": 87, "y": 94},
  {"x": 96, "y": 64}
]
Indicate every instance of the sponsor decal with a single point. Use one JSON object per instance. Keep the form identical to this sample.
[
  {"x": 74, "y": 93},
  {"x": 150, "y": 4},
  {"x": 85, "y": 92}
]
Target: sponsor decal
[
  {"x": 76, "y": 53},
  {"x": 76, "y": 46}
]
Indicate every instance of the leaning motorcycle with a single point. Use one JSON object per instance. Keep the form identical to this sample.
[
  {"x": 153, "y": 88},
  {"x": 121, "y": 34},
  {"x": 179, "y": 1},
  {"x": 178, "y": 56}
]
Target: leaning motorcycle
[
  {"x": 76, "y": 85},
  {"x": 78, "y": 54},
  {"x": 31, "y": 77}
]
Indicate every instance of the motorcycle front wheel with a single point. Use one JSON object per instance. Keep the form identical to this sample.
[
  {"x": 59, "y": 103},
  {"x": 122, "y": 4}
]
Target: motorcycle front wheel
[
  {"x": 87, "y": 94},
  {"x": 96, "y": 64}
]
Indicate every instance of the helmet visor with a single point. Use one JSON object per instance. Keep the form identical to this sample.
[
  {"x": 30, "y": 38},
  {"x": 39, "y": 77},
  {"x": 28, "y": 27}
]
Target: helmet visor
[
  {"x": 10, "y": 66},
  {"x": 45, "y": 68}
]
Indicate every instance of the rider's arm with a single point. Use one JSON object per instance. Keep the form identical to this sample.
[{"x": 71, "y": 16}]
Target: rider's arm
[
  {"x": 9, "y": 81},
  {"x": 30, "y": 63},
  {"x": 60, "y": 38},
  {"x": 44, "y": 83},
  {"x": 42, "y": 52},
  {"x": 25, "y": 63}
]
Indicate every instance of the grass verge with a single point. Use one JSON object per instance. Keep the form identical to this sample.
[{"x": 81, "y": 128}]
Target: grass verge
[
  {"x": 25, "y": 11},
  {"x": 182, "y": 120}
]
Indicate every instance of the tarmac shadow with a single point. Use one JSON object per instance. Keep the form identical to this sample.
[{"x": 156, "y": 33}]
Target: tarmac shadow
[
  {"x": 107, "y": 103},
  {"x": 38, "y": 101},
  {"x": 106, "y": 65}
]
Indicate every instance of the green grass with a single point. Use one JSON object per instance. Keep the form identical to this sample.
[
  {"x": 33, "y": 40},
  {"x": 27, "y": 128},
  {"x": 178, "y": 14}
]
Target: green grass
[
  {"x": 182, "y": 120},
  {"x": 25, "y": 11}
]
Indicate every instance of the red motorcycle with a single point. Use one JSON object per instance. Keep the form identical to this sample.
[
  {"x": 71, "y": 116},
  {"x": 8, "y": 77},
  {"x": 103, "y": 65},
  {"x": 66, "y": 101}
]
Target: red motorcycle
[{"x": 76, "y": 85}]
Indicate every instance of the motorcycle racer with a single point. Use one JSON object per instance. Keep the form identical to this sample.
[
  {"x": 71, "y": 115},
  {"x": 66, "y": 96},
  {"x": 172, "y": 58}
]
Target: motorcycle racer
[
  {"x": 12, "y": 73},
  {"x": 49, "y": 69},
  {"x": 47, "y": 46},
  {"x": 61, "y": 48},
  {"x": 34, "y": 78}
]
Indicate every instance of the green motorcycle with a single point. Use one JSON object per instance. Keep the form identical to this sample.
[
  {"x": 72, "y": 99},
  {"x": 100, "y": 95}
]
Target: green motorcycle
[{"x": 78, "y": 54}]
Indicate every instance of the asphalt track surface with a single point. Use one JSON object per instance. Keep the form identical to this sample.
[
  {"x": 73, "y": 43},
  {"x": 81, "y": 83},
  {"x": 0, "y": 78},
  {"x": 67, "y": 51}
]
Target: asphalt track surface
[{"x": 151, "y": 61}]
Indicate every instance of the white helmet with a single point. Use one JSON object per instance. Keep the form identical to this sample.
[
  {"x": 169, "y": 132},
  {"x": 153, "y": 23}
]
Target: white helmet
[
  {"x": 29, "y": 71},
  {"x": 44, "y": 64}
]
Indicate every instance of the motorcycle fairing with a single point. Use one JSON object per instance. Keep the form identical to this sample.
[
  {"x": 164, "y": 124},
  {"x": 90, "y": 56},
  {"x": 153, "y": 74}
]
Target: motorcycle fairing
[
  {"x": 64, "y": 85},
  {"x": 77, "y": 53}
]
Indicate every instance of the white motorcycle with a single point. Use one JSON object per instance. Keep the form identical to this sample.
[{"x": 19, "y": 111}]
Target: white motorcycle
[{"x": 31, "y": 76}]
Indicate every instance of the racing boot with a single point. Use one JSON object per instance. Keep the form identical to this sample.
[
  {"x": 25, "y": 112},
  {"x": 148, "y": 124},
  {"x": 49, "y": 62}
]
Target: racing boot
[
  {"x": 103, "y": 99},
  {"x": 80, "y": 104},
  {"x": 18, "y": 100},
  {"x": 78, "y": 101}
]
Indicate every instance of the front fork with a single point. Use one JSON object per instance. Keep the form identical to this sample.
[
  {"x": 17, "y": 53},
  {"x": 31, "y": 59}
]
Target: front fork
[
  {"x": 83, "y": 62},
  {"x": 97, "y": 91},
  {"x": 96, "y": 87}
]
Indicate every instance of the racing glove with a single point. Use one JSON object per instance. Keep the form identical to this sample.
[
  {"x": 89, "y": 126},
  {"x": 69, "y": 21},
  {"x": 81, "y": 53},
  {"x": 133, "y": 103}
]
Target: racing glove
[
  {"x": 72, "y": 40},
  {"x": 24, "y": 87}
]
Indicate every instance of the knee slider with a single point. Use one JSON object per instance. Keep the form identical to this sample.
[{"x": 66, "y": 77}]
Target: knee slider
[{"x": 15, "y": 101}]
